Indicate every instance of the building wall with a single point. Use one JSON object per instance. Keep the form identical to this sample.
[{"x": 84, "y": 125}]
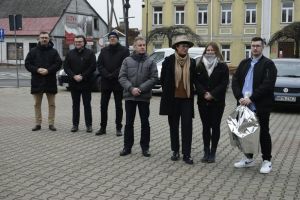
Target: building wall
[
  {"x": 238, "y": 34},
  {"x": 77, "y": 8}
]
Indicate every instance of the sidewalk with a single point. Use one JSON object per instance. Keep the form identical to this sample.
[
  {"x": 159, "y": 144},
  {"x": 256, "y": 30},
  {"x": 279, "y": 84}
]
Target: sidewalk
[{"x": 64, "y": 165}]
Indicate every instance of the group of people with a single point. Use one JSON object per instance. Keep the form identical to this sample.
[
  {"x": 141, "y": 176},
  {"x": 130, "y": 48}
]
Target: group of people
[{"x": 132, "y": 76}]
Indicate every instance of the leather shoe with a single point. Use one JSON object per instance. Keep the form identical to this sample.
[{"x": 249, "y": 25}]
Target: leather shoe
[
  {"x": 188, "y": 160},
  {"x": 52, "y": 127},
  {"x": 146, "y": 153},
  {"x": 74, "y": 129},
  {"x": 101, "y": 131},
  {"x": 36, "y": 128},
  {"x": 119, "y": 133},
  {"x": 175, "y": 156},
  {"x": 89, "y": 129},
  {"x": 125, "y": 152}
]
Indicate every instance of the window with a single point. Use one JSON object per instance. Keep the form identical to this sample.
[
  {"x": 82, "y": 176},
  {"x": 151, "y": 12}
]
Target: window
[
  {"x": 247, "y": 51},
  {"x": 287, "y": 12},
  {"x": 226, "y": 52},
  {"x": 96, "y": 24},
  {"x": 202, "y": 14},
  {"x": 250, "y": 17},
  {"x": 32, "y": 45},
  {"x": 226, "y": 13},
  {"x": 157, "y": 15},
  {"x": 11, "y": 51},
  {"x": 157, "y": 46},
  {"x": 179, "y": 15}
]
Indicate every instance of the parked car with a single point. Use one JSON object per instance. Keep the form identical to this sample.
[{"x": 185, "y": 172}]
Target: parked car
[
  {"x": 287, "y": 86},
  {"x": 159, "y": 56},
  {"x": 63, "y": 79}
]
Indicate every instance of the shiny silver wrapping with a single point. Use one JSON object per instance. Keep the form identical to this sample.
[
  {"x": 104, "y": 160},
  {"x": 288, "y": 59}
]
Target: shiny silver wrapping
[{"x": 244, "y": 130}]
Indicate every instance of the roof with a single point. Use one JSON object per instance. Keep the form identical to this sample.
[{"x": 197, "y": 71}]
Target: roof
[
  {"x": 31, "y": 26},
  {"x": 33, "y": 8}
]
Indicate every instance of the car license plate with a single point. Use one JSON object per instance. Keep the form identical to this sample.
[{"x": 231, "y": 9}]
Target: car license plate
[{"x": 285, "y": 98}]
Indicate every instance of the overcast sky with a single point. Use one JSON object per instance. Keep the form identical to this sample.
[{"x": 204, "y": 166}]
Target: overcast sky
[{"x": 135, "y": 11}]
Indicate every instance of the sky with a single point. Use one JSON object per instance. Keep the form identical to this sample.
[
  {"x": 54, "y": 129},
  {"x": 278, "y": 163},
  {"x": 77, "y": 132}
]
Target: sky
[{"x": 135, "y": 11}]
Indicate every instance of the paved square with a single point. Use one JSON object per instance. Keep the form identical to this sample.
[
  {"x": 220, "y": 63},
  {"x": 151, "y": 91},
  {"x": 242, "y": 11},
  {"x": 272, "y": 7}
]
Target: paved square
[{"x": 64, "y": 165}]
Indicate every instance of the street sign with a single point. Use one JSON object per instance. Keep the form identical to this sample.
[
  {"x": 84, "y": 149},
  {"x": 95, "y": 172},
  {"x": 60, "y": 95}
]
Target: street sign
[{"x": 2, "y": 35}]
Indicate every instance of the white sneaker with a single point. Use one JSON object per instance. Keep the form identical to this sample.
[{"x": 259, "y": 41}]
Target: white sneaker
[
  {"x": 245, "y": 162},
  {"x": 266, "y": 167}
]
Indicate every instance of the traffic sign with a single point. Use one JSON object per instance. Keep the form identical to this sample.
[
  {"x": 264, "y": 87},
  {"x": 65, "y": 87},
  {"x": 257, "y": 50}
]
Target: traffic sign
[{"x": 2, "y": 35}]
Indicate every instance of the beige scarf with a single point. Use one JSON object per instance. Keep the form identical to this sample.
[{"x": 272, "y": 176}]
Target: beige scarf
[{"x": 182, "y": 71}]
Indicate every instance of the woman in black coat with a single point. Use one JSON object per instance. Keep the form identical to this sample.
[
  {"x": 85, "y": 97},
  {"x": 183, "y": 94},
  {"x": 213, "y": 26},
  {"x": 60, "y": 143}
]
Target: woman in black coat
[{"x": 212, "y": 77}]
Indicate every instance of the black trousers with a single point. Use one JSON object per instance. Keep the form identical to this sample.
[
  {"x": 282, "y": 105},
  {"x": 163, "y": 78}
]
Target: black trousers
[
  {"x": 130, "y": 108},
  {"x": 211, "y": 116},
  {"x": 86, "y": 98},
  {"x": 264, "y": 137},
  {"x": 183, "y": 110},
  {"x": 105, "y": 97}
]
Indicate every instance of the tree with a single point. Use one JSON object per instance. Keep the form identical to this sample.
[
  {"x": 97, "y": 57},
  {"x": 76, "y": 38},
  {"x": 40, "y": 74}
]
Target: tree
[
  {"x": 170, "y": 32},
  {"x": 132, "y": 33},
  {"x": 291, "y": 31}
]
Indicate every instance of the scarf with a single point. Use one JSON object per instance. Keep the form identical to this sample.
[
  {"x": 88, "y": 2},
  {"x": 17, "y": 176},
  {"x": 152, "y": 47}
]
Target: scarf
[
  {"x": 210, "y": 62},
  {"x": 182, "y": 71}
]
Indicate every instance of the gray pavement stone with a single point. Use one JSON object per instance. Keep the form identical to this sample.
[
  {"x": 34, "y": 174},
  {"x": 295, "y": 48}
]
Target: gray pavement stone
[{"x": 64, "y": 165}]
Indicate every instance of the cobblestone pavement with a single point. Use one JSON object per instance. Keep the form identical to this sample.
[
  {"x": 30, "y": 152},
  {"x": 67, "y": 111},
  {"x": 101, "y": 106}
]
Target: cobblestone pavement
[{"x": 64, "y": 165}]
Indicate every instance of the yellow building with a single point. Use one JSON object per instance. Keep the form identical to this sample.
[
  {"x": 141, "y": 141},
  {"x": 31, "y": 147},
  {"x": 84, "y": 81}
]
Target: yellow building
[{"x": 230, "y": 23}]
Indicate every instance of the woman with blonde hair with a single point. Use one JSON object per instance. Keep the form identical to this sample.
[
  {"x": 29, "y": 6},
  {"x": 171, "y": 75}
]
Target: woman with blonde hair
[{"x": 211, "y": 80}]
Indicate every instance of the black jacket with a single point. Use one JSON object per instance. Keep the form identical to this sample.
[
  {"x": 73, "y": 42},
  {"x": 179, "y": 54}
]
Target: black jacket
[
  {"x": 264, "y": 78},
  {"x": 216, "y": 84},
  {"x": 167, "y": 79},
  {"x": 80, "y": 62},
  {"x": 109, "y": 64},
  {"x": 48, "y": 58}
]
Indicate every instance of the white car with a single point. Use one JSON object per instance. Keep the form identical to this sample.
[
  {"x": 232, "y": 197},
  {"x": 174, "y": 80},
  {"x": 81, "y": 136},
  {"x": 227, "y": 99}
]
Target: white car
[{"x": 159, "y": 56}]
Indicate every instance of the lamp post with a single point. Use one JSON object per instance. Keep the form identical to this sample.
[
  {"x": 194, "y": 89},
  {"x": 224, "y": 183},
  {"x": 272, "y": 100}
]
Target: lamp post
[
  {"x": 126, "y": 7},
  {"x": 143, "y": 6}
]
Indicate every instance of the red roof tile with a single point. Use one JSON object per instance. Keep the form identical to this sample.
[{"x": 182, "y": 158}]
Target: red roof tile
[{"x": 31, "y": 26}]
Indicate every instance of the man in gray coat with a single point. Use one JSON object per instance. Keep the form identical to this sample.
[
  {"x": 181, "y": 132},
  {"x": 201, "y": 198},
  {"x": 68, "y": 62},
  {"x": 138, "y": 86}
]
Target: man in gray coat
[{"x": 137, "y": 76}]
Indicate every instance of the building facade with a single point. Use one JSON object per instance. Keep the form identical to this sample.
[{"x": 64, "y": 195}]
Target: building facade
[
  {"x": 230, "y": 23},
  {"x": 63, "y": 19}
]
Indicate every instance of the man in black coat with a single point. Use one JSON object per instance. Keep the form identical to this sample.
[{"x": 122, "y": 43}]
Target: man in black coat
[
  {"x": 109, "y": 64},
  {"x": 253, "y": 86},
  {"x": 43, "y": 62},
  {"x": 80, "y": 63}
]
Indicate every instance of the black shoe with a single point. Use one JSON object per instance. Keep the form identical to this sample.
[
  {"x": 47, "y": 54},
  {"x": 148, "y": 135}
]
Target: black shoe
[
  {"x": 52, "y": 128},
  {"x": 175, "y": 156},
  {"x": 188, "y": 160},
  {"x": 36, "y": 128},
  {"x": 74, "y": 129},
  {"x": 205, "y": 158},
  {"x": 89, "y": 129},
  {"x": 146, "y": 153},
  {"x": 125, "y": 152},
  {"x": 119, "y": 133},
  {"x": 212, "y": 157},
  {"x": 101, "y": 131}
]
